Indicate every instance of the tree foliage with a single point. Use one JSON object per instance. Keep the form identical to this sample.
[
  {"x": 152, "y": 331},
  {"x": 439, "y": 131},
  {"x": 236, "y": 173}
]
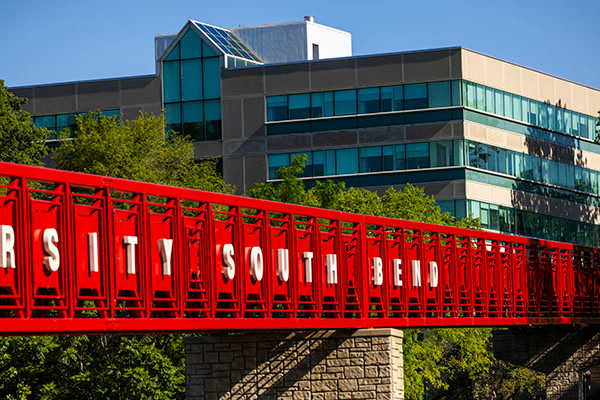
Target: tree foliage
[
  {"x": 20, "y": 140},
  {"x": 447, "y": 363},
  {"x": 94, "y": 367},
  {"x": 137, "y": 150}
]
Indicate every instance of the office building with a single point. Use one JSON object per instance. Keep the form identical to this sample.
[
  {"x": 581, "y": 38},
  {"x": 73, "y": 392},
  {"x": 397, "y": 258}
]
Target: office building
[{"x": 510, "y": 145}]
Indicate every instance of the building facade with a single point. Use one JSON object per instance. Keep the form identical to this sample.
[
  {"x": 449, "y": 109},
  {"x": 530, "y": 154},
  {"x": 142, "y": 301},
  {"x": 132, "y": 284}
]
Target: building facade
[{"x": 488, "y": 138}]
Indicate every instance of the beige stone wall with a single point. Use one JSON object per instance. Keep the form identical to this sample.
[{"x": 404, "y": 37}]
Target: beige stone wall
[
  {"x": 531, "y": 202},
  {"x": 526, "y": 82},
  {"x": 525, "y": 144},
  {"x": 304, "y": 365}
]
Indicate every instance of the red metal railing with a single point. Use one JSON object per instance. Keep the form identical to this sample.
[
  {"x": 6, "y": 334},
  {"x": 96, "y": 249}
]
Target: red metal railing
[{"x": 343, "y": 270}]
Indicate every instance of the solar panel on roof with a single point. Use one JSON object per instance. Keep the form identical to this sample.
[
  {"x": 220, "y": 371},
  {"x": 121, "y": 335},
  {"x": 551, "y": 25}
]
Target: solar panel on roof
[{"x": 227, "y": 42}]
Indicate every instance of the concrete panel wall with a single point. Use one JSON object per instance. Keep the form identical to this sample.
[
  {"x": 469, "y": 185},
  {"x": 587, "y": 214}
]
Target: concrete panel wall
[
  {"x": 529, "y": 83},
  {"x": 130, "y": 95}
]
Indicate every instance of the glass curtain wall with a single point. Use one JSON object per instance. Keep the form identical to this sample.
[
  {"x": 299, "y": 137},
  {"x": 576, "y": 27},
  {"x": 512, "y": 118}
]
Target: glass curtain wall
[{"x": 192, "y": 88}]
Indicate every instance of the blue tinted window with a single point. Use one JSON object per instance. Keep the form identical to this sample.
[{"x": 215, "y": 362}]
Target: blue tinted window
[
  {"x": 417, "y": 155},
  {"x": 388, "y": 158},
  {"x": 480, "y": 97},
  {"x": 508, "y": 105},
  {"x": 387, "y": 98},
  {"x": 193, "y": 124},
  {"x": 346, "y": 161},
  {"x": 345, "y": 102},
  {"x": 277, "y": 161},
  {"x": 171, "y": 81},
  {"x": 470, "y": 94},
  {"x": 174, "y": 54},
  {"x": 456, "y": 93},
  {"x": 191, "y": 80},
  {"x": 277, "y": 108},
  {"x": 489, "y": 99},
  {"x": 299, "y": 106},
  {"x": 499, "y": 102},
  {"x": 370, "y": 159},
  {"x": 212, "y": 117},
  {"x": 441, "y": 154},
  {"x": 47, "y": 121},
  {"x": 439, "y": 94},
  {"x": 212, "y": 78},
  {"x": 415, "y": 96},
  {"x": 368, "y": 100},
  {"x": 190, "y": 45},
  {"x": 308, "y": 167},
  {"x": 322, "y": 104},
  {"x": 66, "y": 121},
  {"x": 398, "y": 103},
  {"x": 207, "y": 51},
  {"x": 173, "y": 116},
  {"x": 400, "y": 156}
]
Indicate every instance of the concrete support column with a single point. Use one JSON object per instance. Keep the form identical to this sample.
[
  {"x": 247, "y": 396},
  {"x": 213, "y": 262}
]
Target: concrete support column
[
  {"x": 303, "y": 365},
  {"x": 569, "y": 356}
]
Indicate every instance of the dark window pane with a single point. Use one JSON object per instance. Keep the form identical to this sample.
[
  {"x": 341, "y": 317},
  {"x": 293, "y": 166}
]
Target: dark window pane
[
  {"x": 299, "y": 106},
  {"x": 417, "y": 155},
  {"x": 345, "y": 102},
  {"x": 368, "y": 100},
  {"x": 277, "y": 108},
  {"x": 398, "y": 103},
  {"x": 415, "y": 96},
  {"x": 173, "y": 117},
  {"x": 212, "y": 117},
  {"x": 388, "y": 158},
  {"x": 441, "y": 154},
  {"x": 400, "y": 156},
  {"x": 322, "y": 104},
  {"x": 309, "y": 163},
  {"x": 193, "y": 120},
  {"x": 387, "y": 98},
  {"x": 439, "y": 94},
  {"x": 456, "y": 92},
  {"x": 370, "y": 159},
  {"x": 277, "y": 161}
]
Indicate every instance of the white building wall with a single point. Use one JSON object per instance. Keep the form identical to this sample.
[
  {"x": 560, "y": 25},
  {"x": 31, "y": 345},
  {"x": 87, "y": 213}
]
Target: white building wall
[
  {"x": 294, "y": 41},
  {"x": 332, "y": 42}
]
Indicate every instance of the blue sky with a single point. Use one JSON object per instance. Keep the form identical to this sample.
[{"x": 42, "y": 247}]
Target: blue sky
[{"x": 57, "y": 41}]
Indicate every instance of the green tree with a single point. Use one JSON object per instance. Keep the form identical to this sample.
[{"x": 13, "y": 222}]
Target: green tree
[
  {"x": 111, "y": 367},
  {"x": 449, "y": 363},
  {"x": 137, "y": 150},
  {"x": 20, "y": 140}
]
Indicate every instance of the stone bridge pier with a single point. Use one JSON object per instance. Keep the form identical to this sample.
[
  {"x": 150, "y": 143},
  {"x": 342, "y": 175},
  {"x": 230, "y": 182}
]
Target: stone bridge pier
[
  {"x": 568, "y": 355},
  {"x": 301, "y": 365}
]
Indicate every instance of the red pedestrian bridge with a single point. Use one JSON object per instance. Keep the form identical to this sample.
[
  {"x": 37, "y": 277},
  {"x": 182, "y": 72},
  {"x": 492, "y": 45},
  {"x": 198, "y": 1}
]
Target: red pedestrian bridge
[{"x": 90, "y": 254}]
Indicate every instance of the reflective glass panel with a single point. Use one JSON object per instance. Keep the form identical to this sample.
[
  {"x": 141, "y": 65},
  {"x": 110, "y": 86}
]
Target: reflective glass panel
[
  {"x": 173, "y": 116},
  {"x": 439, "y": 94},
  {"x": 277, "y": 108},
  {"x": 346, "y": 161},
  {"x": 417, "y": 155},
  {"x": 398, "y": 103},
  {"x": 368, "y": 100},
  {"x": 212, "y": 78},
  {"x": 171, "y": 81},
  {"x": 387, "y": 98},
  {"x": 308, "y": 166},
  {"x": 322, "y": 104},
  {"x": 370, "y": 159},
  {"x": 388, "y": 158},
  {"x": 345, "y": 102},
  {"x": 441, "y": 154},
  {"x": 212, "y": 118},
  {"x": 277, "y": 161},
  {"x": 191, "y": 80},
  {"x": 190, "y": 45},
  {"x": 415, "y": 96},
  {"x": 193, "y": 120},
  {"x": 299, "y": 106},
  {"x": 400, "y": 156}
]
